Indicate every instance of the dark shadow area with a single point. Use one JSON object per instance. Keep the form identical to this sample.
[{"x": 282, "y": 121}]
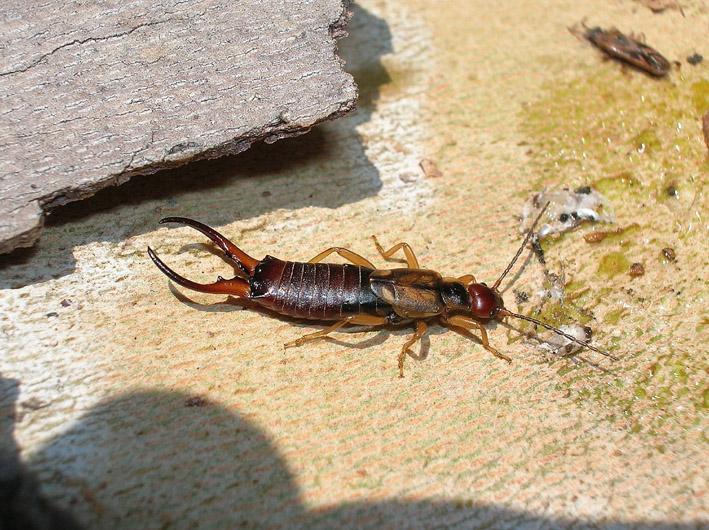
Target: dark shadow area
[
  {"x": 22, "y": 507},
  {"x": 169, "y": 460},
  {"x": 348, "y": 336},
  {"x": 369, "y": 39}
]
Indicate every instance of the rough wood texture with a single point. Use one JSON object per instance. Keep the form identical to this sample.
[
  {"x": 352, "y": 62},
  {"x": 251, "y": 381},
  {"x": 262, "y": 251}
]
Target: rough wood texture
[{"x": 94, "y": 94}]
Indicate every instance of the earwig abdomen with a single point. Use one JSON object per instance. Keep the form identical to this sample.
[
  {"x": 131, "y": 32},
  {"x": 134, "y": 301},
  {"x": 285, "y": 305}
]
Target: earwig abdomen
[{"x": 319, "y": 291}]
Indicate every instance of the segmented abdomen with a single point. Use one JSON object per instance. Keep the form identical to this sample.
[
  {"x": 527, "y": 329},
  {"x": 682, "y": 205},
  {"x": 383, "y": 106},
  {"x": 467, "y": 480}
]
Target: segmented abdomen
[{"x": 321, "y": 291}]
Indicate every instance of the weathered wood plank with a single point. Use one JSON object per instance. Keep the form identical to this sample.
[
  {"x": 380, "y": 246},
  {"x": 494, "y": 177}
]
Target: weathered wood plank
[{"x": 93, "y": 94}]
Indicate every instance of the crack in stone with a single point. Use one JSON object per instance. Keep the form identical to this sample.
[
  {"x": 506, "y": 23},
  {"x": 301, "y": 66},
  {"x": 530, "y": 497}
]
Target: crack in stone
[{"x": 80, "y": 41}]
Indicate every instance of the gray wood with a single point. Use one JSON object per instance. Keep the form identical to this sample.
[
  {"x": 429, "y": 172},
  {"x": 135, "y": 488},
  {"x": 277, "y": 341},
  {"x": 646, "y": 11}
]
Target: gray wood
[{"x": 93, "y": 93}]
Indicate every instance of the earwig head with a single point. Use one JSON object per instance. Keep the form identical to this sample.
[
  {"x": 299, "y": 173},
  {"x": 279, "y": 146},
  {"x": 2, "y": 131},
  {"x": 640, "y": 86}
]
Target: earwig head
[{"x": 485, "y": 302}]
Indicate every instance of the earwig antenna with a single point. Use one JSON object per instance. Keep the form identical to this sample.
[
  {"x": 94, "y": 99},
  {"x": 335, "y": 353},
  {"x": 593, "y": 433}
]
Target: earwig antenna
[
  {"x": 521, "y": 248},
  {"x": 507, "y": 313}
]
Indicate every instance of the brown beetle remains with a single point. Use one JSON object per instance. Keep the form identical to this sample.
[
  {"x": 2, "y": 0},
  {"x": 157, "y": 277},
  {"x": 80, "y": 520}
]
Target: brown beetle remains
[{"x": 629, "y": 50}]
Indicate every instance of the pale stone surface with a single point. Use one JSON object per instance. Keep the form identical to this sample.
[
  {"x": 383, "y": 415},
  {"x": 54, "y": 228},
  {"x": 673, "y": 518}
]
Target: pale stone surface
[{"x": 93, "y": 93}]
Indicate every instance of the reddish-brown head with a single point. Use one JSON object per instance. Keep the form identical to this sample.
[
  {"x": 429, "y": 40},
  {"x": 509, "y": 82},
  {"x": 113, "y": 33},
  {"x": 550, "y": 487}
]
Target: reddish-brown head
[{"x": 485, "y": 302}]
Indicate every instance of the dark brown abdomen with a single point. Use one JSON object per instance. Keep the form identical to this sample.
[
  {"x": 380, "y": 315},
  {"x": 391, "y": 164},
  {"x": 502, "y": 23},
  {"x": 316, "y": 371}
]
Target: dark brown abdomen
[{"x": 321, "y": 291}]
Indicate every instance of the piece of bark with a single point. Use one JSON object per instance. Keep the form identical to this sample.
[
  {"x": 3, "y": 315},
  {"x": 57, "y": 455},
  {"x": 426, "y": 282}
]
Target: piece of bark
[{"x": 95, "y": 94}]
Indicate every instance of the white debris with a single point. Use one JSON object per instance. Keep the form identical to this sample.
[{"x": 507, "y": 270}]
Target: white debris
[
  {"x": 560, "y": 345},
  {"x": 567, "y": 209}
]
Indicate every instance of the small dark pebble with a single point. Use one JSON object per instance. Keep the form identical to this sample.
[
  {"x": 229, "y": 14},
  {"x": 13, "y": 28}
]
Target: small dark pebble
[
  {"x": 66, "y": 302},
  {"x": 669, "y": 253},
  {"x": 52, "y": 314},
  {"x": 695, "y": 59},
  {"x": 595, "y": 237},
  {"x": 195, "y": 402},
  {"x": 520, "y": 296},
  {"x": 34, "y": 404},
  {"x": 636, "y": 269}
]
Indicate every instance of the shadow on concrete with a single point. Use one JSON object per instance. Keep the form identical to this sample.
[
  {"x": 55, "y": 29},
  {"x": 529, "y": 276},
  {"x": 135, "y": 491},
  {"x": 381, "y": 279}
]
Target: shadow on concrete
[
  {"x": 370, "y": 39},
  {"x": 22, "y": 506},
  {"x": 169, "y": 460}
]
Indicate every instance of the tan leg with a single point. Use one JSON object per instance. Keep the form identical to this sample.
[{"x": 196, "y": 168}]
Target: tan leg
[
  {"x": 467, "y": 279},
  {"x": 362, "y": 320},
  {"x": 420, "y": 330},
  {"x": 466, "y": 322},
  {"x": 347, "y": 254},
  {"x": 410, "y": 256}
]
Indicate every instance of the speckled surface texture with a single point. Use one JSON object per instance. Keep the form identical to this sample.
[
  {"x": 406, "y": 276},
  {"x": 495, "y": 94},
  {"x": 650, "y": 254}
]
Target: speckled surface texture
[
  {"x": 140, "y": 404},
  {"x": 96, "y": 93}
]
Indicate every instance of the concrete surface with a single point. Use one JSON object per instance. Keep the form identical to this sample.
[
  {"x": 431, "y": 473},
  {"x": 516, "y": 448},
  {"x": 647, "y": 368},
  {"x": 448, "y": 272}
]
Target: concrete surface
[{"x": 140, "y": 404}]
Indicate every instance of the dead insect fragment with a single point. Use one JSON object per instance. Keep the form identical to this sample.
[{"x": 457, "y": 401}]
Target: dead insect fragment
[
  {"x": 359, "y": 293},
  {"x": 628, "y": 49},
  {"x": 538, "y": 250}
]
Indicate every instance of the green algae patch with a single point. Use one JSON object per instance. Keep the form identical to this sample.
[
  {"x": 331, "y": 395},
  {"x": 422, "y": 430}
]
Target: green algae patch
[
  {"x": 616, "y": 125},
  {"x": 700, "y": 95},
  {"x": 614, "y": 317},
  {"x": 613, "y": 264},
  {"x": 647, "y": 142}
]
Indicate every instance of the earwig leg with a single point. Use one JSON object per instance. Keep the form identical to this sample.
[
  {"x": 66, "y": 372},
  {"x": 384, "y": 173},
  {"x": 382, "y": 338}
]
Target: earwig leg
[
  {"x": 467, "y": 279},
  {"x": 245, "y": 262},
  {"x": 465, "y": 322},
  {"x": 316, "y": 335},
  {"x": 362, "y": 320},
  {"x": 410, "y": 256},
  {"x": 420, "y": 330},
  {"x": 236, "y": 286},
  {"x": 345, "y": 253}
]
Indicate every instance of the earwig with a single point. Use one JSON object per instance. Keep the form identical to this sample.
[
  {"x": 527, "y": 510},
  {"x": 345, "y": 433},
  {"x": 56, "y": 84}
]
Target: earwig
[
  {"x": 629, "y": 50},
  {"x": 359, "y": 293}
]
